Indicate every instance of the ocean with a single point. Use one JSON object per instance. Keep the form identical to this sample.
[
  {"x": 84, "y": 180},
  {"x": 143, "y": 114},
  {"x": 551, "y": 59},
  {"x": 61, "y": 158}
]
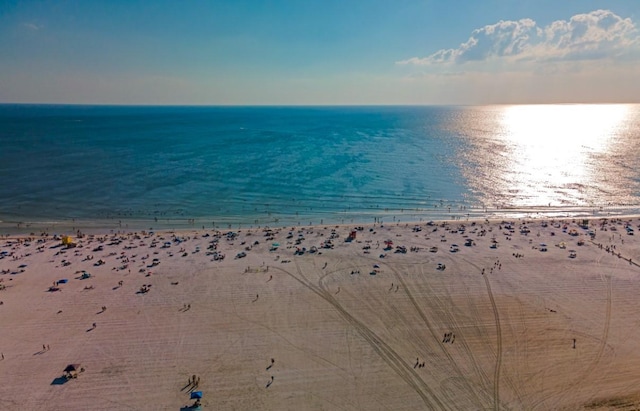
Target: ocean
[{"x": 150, "y": 166}]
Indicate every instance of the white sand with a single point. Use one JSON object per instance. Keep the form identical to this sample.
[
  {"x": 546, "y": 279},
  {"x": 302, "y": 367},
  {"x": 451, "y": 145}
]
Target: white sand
[{"x": 339, "y": 341}]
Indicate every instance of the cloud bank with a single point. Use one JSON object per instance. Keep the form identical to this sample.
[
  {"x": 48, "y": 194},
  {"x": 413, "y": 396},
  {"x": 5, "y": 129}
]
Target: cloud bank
[{"x": 598, "y": 35}]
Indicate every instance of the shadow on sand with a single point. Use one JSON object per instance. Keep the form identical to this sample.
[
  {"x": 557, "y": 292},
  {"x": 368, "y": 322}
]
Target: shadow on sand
[{"x": 59, "y": 380}]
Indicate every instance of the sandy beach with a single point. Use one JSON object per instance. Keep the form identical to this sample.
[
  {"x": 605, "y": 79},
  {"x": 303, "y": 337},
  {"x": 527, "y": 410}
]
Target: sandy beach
[{"x": 534, "y": 315}]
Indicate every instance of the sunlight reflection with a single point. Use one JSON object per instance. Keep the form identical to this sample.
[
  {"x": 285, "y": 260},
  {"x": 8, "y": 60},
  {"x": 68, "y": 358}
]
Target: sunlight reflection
[{"x": 551, "y": 150}]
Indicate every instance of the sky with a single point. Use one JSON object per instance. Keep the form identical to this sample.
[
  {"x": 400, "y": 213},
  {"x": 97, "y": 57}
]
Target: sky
[{"x": 319, "y": 52}]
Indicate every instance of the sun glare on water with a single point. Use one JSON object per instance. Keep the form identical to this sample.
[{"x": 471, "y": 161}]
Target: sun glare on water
[{"x": 552, "y": 150}]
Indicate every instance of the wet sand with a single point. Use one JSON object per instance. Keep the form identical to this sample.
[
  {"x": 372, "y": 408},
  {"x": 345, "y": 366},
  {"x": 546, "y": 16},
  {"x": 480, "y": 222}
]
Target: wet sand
[{"x": 340, "y": 328}]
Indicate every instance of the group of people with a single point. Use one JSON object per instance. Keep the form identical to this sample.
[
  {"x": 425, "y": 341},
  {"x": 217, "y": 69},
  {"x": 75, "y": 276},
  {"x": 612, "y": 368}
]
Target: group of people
[
  {"x": 268, "y": 368},
  {"x": 449, "y": 338},
  {"x": 194, "y": 381}
]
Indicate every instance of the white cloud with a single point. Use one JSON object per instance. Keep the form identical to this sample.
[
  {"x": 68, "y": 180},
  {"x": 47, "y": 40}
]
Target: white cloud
[{"x": 598, "y": 35}]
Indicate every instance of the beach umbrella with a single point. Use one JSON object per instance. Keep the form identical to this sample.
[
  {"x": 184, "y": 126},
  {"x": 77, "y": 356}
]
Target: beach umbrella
[
  {"x": 196, "y": 395},
  {"x": 275, "y": 244}
]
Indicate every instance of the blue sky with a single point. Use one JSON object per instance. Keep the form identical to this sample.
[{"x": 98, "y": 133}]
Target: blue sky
[{"x": 319, "y": 52}]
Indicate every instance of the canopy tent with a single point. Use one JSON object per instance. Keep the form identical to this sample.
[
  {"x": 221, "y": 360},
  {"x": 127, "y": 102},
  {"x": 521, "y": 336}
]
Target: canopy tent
[{"x": 196, "y": 395}]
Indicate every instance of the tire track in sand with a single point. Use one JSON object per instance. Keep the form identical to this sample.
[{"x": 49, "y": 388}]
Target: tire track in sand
[
  {"x": 605, "y": 333},
  {"x": 388, "y": 354},
  {"x": 430, "y": 327},
  {"x": 601, "y": 347},
  {"x": 496, "y": 375}
]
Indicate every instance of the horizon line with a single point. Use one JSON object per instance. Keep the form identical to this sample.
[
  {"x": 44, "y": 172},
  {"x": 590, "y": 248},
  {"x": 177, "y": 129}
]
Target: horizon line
[{"x": 305, "y": 105}]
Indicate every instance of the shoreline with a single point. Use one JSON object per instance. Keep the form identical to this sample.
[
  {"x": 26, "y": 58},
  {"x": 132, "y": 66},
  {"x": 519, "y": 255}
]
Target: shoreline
[{"x": 17, "y": 226}]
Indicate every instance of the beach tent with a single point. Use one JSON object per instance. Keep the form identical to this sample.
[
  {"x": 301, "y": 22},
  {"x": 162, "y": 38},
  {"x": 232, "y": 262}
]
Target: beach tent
[
  {"x": 196, "y": 395},
  {"x": 72, "y": 368},
  {"x": 71, "y": 371}
]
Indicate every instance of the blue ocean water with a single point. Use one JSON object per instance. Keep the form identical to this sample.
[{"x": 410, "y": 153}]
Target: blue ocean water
[{"x": 301, "y": 165}]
